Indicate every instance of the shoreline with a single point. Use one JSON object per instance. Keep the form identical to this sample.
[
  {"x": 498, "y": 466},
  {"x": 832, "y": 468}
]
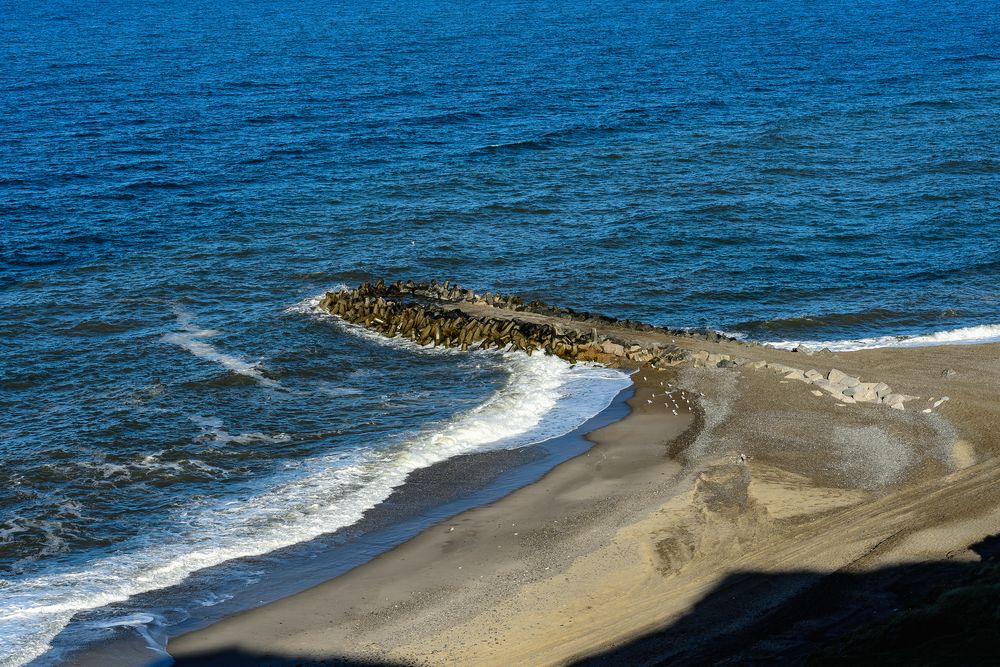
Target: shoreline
[
  {"x": 670, "y": 528},
  {"x": 429, "y": 496},
  {"x": 538, "y": 527}
]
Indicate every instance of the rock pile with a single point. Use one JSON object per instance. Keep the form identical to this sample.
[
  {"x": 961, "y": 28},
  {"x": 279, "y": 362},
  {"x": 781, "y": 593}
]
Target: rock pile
[
  {"x": 839, "y": 385},
  {"x": 845, "y": 388},
  {"x": 426, "y": 313}
]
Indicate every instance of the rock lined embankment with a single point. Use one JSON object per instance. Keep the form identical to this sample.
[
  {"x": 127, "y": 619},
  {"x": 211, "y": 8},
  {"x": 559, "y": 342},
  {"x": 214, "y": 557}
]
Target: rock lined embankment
[
  {"x": 430, "y": 314},
  {"x": 446, "y": 315}
]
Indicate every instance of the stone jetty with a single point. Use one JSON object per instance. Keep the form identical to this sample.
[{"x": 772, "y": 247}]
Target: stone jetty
[{"x": 447, "y": 315}]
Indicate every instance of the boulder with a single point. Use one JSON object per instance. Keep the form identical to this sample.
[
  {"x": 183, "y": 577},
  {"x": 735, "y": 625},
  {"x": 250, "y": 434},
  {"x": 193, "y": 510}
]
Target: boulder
[
  {"x": 836, "y": 376},
  {"x": 896, "y": 400},
  {"x": 813, "y": 374},
  {"x": 614, "y": 348},
  {"x": 822, "y": 383},
  {"x": 850, "y": 381},
  {"x": 796, "y": 375},
  {"x": 834, "y": 388},
  {"x": 863, "y": 392}
]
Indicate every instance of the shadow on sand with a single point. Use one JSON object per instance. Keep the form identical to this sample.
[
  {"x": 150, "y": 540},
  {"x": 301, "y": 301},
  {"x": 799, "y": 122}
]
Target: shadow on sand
[
  {"x": 933, "y": 613},
  {"x": 937, "y": 613}
]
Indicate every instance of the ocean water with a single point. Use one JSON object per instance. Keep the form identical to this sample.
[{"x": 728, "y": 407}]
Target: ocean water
[{"x": 180, "y": 180}]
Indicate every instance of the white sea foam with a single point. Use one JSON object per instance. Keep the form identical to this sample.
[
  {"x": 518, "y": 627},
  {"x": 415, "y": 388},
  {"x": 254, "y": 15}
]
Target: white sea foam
[
  {"x": 543, "y": 397},
  {"x": 987, "y": 333},
  {"x": 192, "y": 339}
]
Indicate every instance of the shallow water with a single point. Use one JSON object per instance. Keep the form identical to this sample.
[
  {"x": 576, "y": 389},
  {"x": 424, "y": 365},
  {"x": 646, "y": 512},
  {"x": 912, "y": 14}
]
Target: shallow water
[{"x": 177, "y": 180}]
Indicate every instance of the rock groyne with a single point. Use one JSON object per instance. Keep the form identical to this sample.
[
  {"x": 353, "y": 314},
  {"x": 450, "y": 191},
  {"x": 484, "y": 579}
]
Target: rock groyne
[{"x": 446, "y": 315}]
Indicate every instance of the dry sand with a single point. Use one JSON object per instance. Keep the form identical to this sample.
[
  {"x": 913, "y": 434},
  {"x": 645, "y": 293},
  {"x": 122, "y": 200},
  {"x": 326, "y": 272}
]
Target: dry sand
[{"x": 701, "y": 537}]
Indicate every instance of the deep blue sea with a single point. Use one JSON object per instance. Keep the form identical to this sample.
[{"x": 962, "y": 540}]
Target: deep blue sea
[{"x": 178, "y": 180}]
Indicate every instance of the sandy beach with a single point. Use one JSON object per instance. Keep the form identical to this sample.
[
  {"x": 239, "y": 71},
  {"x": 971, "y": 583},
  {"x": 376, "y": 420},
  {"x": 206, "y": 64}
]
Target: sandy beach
[{"x": 763, "y": 522}]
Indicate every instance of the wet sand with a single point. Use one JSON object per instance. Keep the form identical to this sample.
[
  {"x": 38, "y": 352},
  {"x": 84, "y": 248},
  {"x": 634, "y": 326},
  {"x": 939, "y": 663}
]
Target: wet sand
[{"x": 613, "y": 551}]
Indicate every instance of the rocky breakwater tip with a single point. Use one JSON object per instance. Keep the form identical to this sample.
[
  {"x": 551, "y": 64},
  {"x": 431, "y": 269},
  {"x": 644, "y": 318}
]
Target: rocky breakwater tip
[{"x": 446, "y": 315}]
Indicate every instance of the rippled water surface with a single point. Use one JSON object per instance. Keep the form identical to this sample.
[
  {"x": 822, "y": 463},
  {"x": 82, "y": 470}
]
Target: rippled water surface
[{"x": 177, "y": 180}]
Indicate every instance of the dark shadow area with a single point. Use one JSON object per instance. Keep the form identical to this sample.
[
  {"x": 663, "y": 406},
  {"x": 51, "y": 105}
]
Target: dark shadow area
[{"x": 931, "y": 613}]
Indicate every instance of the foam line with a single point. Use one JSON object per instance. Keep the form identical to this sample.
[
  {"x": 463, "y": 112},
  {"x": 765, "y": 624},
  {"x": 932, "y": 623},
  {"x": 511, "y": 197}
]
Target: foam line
[
  {"x": 191, "y": 338},
  {"x": 986, "y": 333}
]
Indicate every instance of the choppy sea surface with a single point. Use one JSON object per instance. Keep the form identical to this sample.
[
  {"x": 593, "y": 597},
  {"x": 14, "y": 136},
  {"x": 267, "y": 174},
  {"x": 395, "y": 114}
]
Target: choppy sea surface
[{"x": 180, "y": 180}]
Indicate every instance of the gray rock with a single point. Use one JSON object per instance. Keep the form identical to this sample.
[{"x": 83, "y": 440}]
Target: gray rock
[
  {"x": 614, "y": 348},
  {"x": 834, "y": 388},
  {"x": 895, "y": 401},
  {"x": 836, "y": 376},
  {"x": 863, "y": 392},
  {"x": 813, "y": 374},
  {"x": 949, "y": 372},
  {"x": 822, "y": 383},
  {"x": 850, "y": 381}
]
